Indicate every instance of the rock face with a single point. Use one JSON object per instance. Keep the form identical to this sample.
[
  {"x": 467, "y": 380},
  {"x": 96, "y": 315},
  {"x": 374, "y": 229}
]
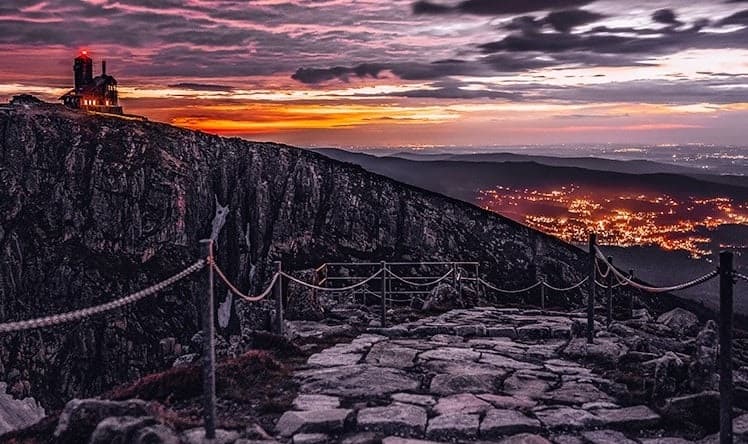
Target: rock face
[
  {"x": 92, "y": 208},
  {"x": 17, "y": 413}
]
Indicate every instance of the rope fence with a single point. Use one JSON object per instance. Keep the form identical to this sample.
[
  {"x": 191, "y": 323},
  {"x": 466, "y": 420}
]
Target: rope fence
[{"x": 83, "y": 313}]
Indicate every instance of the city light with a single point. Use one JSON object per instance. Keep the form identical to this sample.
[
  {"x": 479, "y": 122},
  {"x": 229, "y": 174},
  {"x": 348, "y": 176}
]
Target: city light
[{"x": 622, "y": 219}]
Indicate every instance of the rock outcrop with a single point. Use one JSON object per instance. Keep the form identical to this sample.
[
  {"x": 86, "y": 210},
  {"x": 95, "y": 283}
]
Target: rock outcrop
[{"x": 93, "y": 207}]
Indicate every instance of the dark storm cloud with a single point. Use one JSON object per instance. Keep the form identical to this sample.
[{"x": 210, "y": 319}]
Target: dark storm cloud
[
  {"x": 202, "y": 87},
  {"x": 494, "y": 7},
  {"x": 565, "y": 21},
  {"x": 665, "y": 16},
  {"x": 739, "y": 18}
]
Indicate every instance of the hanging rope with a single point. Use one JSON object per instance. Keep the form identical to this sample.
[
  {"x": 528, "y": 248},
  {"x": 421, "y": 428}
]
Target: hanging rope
[
  {"x": 740, "y": 276},
  {"x": 236, "y": 291},
  {"x": 577, "y": 285},
  {"x": 98, "y": 309},
  {"x": 421, "y": 284},
  {"x": 510, "y": 291},
  {"x": 600, "y": 271},
  {"x": 692, "y": 283},
  {"x": 317, "y": 287}
]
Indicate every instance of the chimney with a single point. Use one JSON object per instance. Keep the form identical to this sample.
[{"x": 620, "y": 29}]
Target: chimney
[{"x": 103, "y": 67}]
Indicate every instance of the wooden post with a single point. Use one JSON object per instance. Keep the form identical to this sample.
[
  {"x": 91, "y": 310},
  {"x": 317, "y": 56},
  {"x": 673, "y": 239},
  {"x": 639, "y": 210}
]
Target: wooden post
[
  {"x": 591, "y": 297},
  {"x": 609, "y": 292},
  {"x": 209, "y": 353},
  {"x": 631, "y": 299},
  {"x": 278, "y": 294},
  {"x": 725, "y": 347},
  {"x": 384, "y": 294},
  {"x": 542, "y": 294}
]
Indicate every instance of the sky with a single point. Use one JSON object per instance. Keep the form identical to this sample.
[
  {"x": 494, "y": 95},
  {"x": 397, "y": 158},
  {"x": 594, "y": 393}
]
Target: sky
[{"x": 371, "y": 73}]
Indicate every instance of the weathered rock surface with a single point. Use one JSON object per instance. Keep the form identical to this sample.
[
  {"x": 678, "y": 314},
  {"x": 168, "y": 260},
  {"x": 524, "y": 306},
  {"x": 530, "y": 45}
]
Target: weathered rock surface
[
  {"x": 681, "y": 321},
  {"x": 17, "y": 413},
  {"x": 95, "y": 207}
]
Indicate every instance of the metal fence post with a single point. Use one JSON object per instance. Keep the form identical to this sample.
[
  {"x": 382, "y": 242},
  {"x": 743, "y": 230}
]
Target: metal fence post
[
  {"x": 609, "y": 292},
  {"x": 542, "y": 294},
  {"x": 725, "y": 347},
  {"x": 458, "y": 278},
  {"x": 591, "y": 297},
  {"x": 209, "y": 357},
  {"x": 384, "y": 294},
  {"x": 278, "y": 290}
]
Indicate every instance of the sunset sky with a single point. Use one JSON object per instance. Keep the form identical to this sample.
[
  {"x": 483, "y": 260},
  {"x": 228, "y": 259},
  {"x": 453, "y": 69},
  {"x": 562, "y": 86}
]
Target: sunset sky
[{"x": 402, "y": 73}]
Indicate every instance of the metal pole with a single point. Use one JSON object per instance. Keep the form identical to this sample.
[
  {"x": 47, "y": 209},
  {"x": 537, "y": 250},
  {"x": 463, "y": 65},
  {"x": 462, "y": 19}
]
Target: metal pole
[
  {"x": 278, "y": 290},
  {"x": 542, "y": 294},
  {"x": 725, "y": 347},
  {"x": 609, "y": 292},
  {"x": 591, "y": 297},
  {"x": 209, "y": 353},
  {"x": 384, "y": 294},
  {"x": 459, "y": 281}
]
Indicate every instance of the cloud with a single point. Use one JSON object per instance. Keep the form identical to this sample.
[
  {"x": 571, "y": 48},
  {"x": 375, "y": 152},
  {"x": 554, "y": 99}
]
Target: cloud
[
  {"x": 665, "y": 16},
  {"x": 494, "y": 7},
  {"x": 565, "y": 21},
  {"x": 202, "y": 87}
]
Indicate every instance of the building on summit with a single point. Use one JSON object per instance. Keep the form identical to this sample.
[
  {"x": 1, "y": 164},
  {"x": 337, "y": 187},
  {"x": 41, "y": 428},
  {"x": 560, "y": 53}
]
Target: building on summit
[{"x": 92, "y": 93}]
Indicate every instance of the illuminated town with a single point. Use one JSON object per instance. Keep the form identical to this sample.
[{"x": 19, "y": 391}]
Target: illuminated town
[{"x": 624, "y": 219}]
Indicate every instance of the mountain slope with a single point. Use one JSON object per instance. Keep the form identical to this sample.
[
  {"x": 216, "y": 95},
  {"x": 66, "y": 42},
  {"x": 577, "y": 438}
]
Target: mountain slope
[
  {"x": 462, "y": 179},
  {"x": 95, "y": 207}
]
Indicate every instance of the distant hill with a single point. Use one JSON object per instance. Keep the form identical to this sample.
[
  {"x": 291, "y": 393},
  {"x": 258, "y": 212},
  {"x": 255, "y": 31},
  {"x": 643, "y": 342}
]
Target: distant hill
[
  {"x": 591, "y": 163},
  {"x": 461, "y": 179}
]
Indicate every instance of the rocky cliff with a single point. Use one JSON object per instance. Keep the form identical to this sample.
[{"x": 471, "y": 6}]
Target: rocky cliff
[{"x": 94, "y": 207}]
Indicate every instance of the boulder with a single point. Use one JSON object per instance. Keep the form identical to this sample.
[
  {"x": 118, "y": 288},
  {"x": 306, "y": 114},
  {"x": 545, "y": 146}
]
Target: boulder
[
  {"x": 395, "y": 419},
  {"x": 316, "y": 402},
  {"x": 442, "y": 298},
  {"x": 17, "y": 413},
  {"x": 700, "y": 408},
  {"x": 669, "y": 375},
  {"x": 80, "y": 417},
  {"x": 702, "y": 371},
  {"x": 132, "y": 430},
  {"x": 197, "y": 436},
  {"x": 604, "y": 350},
  {"x": 453, "y": 427},
  {"x": 312, "y": 421},
  {"x": 680, "y": 321},
  {"x": 501, "y": 422}
]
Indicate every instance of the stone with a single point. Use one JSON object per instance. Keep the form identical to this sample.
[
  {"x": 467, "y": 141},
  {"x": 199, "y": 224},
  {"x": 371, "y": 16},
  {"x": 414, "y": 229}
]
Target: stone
[
  {"x": 507, "y": 363},
  {"x": 329, "y": 358},
  {"x": 603, "y": 350},
  {"x": 398, "y": 440},
  {"x": 447, "y": 339},
  {"x": 524, "y": 438},
  {"x": 361, "y": 438},
  {"x": 607, "y": 437},
  {"x": 461, "y": 403},
  {"x": 470, "y": 330},
  {"x": 665, "y": 440},
  {"x": 80, "y": 417},
  {"x": 356, "y": 380},
  {"x": 121, "y": 429},
  {"x": 197, "y": 436},
  {"x": 636, "y": 417},
  {"x": 681, "y": 321},
  {"x": 387, "y": 355},
  {"x": 316, "y": 402},
  {"x": 508, "y": 402},
  {"x": 453, "y": 427},
  {"x": 443, "y": 297},
  {"x": 395, "y": 419},
  {"x": 526, "y": 384},
  {"x": 669, "y": 373},
  {"x": 506, "y": 332},
  {"x": 573, "y": 393},
  {"x": 533, "y": 332},
  {"x": 17, "y": 413},
  {"x": 700, "y": 408},
  {"x": 569, "y": 418},
  {"x": 409, "y": 398},
  {"x": 499, "y": 422},
  {"x": 186, "y": 360},
  {"x": 453, "y": 384},
  {"x": 567, "y": 439},
  {"x": 702, "y": 370},
  {"x": 641, "y": 314},
  {"x": 312, "y": 421},
  {"x": 450, "y": 354},
  {"x": 310, "y": 438},
  {"x": 465, "y": 368}
]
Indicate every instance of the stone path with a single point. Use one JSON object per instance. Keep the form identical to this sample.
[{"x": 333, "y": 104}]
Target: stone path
[{"x": 482, "y": 374}]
